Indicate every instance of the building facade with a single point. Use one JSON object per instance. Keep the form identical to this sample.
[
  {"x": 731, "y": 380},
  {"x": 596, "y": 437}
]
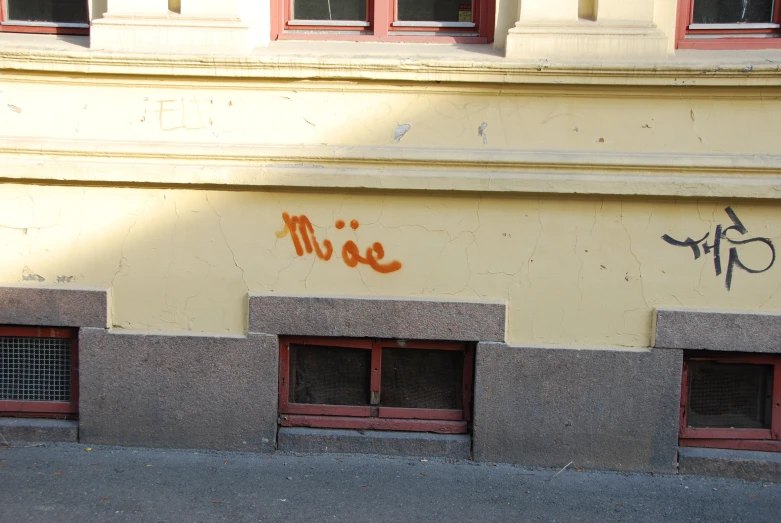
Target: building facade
[{"x": 536, "y": 232}]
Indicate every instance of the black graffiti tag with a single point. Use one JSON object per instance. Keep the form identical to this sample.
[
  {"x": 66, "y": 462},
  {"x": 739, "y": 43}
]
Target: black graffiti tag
[{"x": 719, "y": 237}]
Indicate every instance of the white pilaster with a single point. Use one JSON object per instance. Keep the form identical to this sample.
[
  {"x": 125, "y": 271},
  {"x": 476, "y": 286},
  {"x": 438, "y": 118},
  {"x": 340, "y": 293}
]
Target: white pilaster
[
  {"x": 614, "y": 30},
  {"x": 213, "y": 26}
]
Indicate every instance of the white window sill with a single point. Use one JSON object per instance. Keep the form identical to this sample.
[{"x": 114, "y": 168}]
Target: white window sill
[{"x": 393, "y": 62}]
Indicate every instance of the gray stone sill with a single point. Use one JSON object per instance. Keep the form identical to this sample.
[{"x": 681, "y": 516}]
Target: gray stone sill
[
  {"x": 743, "y": 464},
  {"x": 38, "y": 429},
  {"x": 393, "y": 62},
  {"x": 422, "y": 444}
]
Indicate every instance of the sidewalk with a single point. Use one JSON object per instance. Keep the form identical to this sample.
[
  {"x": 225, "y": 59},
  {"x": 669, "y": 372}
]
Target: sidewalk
[{"x": 73, "y": 482}]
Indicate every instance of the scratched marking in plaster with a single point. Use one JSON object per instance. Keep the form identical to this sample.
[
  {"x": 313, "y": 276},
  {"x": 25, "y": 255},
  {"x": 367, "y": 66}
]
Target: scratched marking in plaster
[
  {"x": 302, "y": 234},
  {"x": 196, "y": 114},
  {"x": 401, "y": 130},
  {"x": 719, "y": 235},
  {"x": 481, "y": 132}
]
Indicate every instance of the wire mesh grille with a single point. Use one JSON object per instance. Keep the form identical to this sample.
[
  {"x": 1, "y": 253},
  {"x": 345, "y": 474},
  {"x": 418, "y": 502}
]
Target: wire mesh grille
[
  {"x": 329, "y": 375},
  {"x": 35, "y": 369},
  {"x": 727, "y": 395},
  {"x": 422, "y": 379}
]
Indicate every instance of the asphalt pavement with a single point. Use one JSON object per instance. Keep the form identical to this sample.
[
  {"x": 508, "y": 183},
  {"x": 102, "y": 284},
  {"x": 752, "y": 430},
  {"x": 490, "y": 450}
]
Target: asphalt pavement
[{"x": 80, "y": 483}]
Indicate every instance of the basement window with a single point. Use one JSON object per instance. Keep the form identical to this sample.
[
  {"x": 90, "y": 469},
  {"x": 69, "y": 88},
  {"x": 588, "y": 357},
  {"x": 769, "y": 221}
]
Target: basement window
[
  {"x": 44, "y": 16},
  {"x": 731, "y": 401},
  {"x": 39, "y": 372},
  {"x": 344, "y": 383}
]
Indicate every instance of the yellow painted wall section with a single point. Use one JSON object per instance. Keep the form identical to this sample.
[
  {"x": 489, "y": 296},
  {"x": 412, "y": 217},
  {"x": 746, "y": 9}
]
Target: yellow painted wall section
[
  {"x": 574, "y": 271},
  {"x": 584, "y": 119}
]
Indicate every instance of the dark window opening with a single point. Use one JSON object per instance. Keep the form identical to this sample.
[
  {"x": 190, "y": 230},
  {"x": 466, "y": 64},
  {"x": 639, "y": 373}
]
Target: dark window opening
[
  {"x": 376, "y": 384},
  {"x": 44, "y": 16},
  {"x": 731, "y": 401}
]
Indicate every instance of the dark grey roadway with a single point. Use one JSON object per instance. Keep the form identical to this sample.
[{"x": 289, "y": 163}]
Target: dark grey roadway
[{"x": 67, "y": 482}]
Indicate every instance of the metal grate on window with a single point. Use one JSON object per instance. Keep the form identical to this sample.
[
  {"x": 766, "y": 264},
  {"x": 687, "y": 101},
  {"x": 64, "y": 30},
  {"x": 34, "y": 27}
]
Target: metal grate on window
[
  {"x": 35, "y": 369},
  {"x": 329, "y": 375},
  {"x": 422, "y": 379},
  {"x": 729, "y": 395}
]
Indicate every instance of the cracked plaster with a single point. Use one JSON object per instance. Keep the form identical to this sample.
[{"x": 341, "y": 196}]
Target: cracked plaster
[{"x": 574, "y": 272}]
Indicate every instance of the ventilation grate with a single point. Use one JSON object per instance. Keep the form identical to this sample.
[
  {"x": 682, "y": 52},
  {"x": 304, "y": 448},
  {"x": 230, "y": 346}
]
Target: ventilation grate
[
  {"x": 728, "y": 395},
  {"x": 329, "y": 375},
  {"x": 35, "y": 369},
  {"x": 422, "y": 379}
]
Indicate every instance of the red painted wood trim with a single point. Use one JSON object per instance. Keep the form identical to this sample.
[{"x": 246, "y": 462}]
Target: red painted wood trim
[
  {"x": 326, "y": 410},
  {"x": 38, "y": 332},
  {"x": 468, "y": 380},
  {"x": 689, "y": 432},
  {"x": 376, "y": 372},
  {"x": 324, "y": 37},
  {"x": 348, "y": 343},
  {"x": 410, "y": 425},
  {"x": 775, "y": 412},
  {"x": 421, "y": 344},
  {"x": 684, "y": 399},
  {"x": 427, "y": 414},
  {"x": 284, "y": 375},
  {"x": 737, "y": 444},
  {"x": 731, "y": 43},
  {"x": 41, "y": 407}
]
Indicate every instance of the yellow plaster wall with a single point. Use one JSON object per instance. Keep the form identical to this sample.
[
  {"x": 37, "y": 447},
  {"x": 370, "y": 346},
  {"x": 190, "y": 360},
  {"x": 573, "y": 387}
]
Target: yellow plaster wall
[
  {"x": 520, "y": 118},
  {"x": 574, "y": 271}
]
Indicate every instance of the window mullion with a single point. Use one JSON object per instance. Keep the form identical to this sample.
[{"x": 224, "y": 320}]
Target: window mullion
[{"x": 382, "y": 21}]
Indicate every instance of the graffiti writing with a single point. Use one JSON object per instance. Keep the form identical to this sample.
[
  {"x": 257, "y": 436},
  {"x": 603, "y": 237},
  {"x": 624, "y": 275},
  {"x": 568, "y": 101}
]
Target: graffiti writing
[
  {"x": 302, "y": 234},
  {"x": 715, "y": 248}
]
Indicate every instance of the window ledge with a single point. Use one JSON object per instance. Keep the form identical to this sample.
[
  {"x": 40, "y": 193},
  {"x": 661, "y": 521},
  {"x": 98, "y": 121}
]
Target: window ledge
[{"x": 393, "y": 62}]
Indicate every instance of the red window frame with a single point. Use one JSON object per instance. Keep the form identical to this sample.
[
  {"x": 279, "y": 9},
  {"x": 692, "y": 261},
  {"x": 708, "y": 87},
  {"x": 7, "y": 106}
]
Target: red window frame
[
  {"x": 731, "y": 38},
  {"x": 445, "y": 421},
  {"x": 742, "y": 439},
  {"x": 382, "y": 15},
  {"x": 39, "y": 27},
  {"x": 46, "y": 409}
]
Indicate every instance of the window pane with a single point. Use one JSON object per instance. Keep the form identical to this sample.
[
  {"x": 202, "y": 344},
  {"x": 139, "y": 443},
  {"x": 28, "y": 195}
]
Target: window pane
[
  {"x": 329, "y": 10},
  {"x": 732, "y": 11},
  {"x": 329, "y": 375},
  {"x": 435, "y": 10},
  {"x": 59, "y": 11},
  {"x": 729, "y": 395},
  {"x": 422, "y": 379}
]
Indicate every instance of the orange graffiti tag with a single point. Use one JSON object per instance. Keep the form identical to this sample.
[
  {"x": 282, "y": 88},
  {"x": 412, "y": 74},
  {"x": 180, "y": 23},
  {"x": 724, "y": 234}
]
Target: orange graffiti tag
[
  {"x": 302, "y": 235},
  {"x": 300, "y": 225}
]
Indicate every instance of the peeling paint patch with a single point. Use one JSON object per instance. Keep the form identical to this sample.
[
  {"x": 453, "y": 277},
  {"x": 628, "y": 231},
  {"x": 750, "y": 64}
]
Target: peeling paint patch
[
  {"x": 401, "y": 130},
  {"x": 65, "y": 279},
  {"x": 15, "y": 109},
  {"x": 28, "y": 275},
  {"x": 481, "y": 132}
]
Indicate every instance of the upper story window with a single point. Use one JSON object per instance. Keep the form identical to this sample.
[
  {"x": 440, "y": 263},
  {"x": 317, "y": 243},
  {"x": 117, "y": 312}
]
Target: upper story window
[
  {"x": 44, "y": 16},
  {"x": 729, "y": 24},
  {"x": 446, "y": 21}
]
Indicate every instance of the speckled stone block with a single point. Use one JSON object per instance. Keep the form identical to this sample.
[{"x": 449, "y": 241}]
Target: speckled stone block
[
  {"x": 54, "y": 307},
  {"x": 717, "y": 330},
  {"x": 377, "y": 318},
  {"x": 601, "y": 409},
  {"x": 743, "y": 464},
  {"x": 37, "y": 429},
  {"x": 178, "y": 391},
  {"x": 302, "y": 439}
]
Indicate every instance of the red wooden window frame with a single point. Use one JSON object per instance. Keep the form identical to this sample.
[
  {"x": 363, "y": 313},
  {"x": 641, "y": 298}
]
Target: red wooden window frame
[
  {"x": 445, "y": 421},
  {"x": 744, "y": 439},
  {"x": 731, "y": 39},
  {"x": 381, "y": 15},
  {"x": 22, "y": 27},
  {"x": 46, "y": 409}
]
